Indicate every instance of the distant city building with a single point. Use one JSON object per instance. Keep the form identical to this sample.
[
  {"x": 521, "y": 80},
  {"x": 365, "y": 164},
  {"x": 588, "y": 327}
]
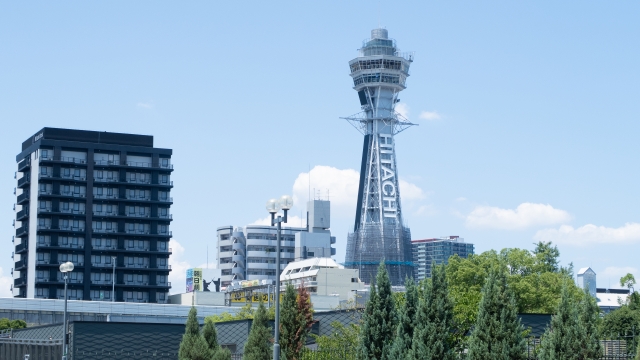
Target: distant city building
[
  {"x": 323, "y": 276},
  {"x": 611, "y": 299},
  {"x": 437, "y": 250},
  {"x": 100, "y": 200},
  {"x": 249, "y": 253},
  {"x": 587, "y": 279}
]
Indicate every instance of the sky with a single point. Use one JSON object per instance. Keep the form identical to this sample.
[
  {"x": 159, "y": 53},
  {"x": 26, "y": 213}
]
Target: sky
[{"x": 527, "y": 113}]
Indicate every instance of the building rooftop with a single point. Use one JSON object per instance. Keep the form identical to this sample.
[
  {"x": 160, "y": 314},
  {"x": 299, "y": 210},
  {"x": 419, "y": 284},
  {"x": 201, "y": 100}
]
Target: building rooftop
[
  {"x": 444, "y": 238},
  {"x": 308, "y": 267},
  {"x": 584, "y": 270},
  {"x": 103, "y": 137}
]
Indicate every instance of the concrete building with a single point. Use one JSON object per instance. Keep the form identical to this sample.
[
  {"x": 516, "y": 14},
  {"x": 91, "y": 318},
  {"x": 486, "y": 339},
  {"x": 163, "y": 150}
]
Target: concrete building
[
  {"x": 379, "y": 75},
  {"x": 249, "y": 253},
  {"x": 100, "y": 200},
  {"x": 438, "y": 250},
  {"x": 324, "y": 277},
  {"x": 587, "y": 279}
]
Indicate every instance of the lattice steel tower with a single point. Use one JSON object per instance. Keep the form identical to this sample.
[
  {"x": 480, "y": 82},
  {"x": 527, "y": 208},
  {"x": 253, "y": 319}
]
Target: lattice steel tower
[{"x": 379, "y": 74}]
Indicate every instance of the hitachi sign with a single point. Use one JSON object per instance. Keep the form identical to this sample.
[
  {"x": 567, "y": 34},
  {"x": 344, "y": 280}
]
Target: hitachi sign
[{"x": 388, "y": 176}]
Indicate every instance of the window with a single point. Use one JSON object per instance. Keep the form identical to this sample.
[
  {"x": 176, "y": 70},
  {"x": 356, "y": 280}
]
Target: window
[
  {"x": 130, "y": 295},
  {"x": 132, "y": 193},
  {"x": 67, "y": 189},
  {"x": 109, "y": 175},
  {"x": 99, "y": 225},
  {"x": 132, "y": 210},
  {"x": 139, "y": 295},
  {"x": 161, "y": 296},
  {"x": 109, "y": 225},
  {"x": 66, "y": 172},
  {"x": 40, "y": 292},
  {"x": 40, "y": 257},
  {"x": 163, "y": 211},
  {"x": 140, "y": 261},
  {"x": 99, "y": 191},
  {"x": 65, "y": 240},
  {"x": 65, "y": 206},
  {"x": 140, "y": 278},
  {"x": 109, "y": 192},
  {"x": 107, "y": 260},
  {"x": 132, "y": 176},
  {"x": 43, "y": 170},
  {"x": 43, "y": 188},
  {"x": 45, "y": 153},
  {"x": 165, "y": 162},
  {"x": 99, "y": 174},
  {"x": 129, "y": 277},
  {"x": 141, "y": 210},
  {"x": 130, "y": 261},
  {"x": 164, "y": 179},
  {"x": 98, "y": 259}
]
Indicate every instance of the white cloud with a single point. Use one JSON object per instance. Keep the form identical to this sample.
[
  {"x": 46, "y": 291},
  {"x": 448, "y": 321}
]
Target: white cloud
[
  {"x": 403, "y": 109},
  {"x": 409, "y": 191},
  {"x": 430, "y": 115},
  {"x": 524, "y": 216},
  {"x": 5, "y": 284},
  {"x": 145, "y": 105},
  {"x": 178, "y": 274},
  {"x": 591, "y": 234},
  {"x": 614, "y": 273}
]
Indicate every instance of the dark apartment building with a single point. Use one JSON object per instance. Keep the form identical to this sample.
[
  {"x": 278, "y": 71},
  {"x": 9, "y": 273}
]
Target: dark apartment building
[
  {"x": 100, "y": 200},
  {"x": 438, "y": 251}
]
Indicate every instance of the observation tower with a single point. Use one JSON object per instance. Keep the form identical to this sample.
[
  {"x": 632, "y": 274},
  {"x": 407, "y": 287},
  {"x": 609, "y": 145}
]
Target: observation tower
[{"x": 379, "y": 75}]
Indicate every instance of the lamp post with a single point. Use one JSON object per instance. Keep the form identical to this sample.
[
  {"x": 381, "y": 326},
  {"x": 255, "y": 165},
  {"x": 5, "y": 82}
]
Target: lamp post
[
  {"x": 64, "y": 269},
  {"x": 273, "y": 206}
]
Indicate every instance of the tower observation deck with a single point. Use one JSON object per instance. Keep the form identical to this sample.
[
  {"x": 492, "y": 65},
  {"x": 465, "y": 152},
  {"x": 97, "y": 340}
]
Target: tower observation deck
[{"x": 379, "y": 74}]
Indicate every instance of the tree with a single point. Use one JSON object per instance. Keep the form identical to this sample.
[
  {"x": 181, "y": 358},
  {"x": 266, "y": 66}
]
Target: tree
[
  {"x": 379, "y": 323},
  {"x": 565, "y": 336},
  {"x": 210, "y": 335},
  {"x": 406, "y": 322},
  {"x": 296, "y": 321},
  {"x": 497, "y": 333},
  {"x": 193, "y": 345},
  {"x": 5, "y": 323},
  {"x": 628, "y": 281},
  {"x": 621, "y": 324},
  {"x": 258, "y": 345},
  {"x": 589, "y": 316},
  {"x": 547, "y": 256},
  {"x": 432, "y": 338},
  {"x": 222, "y": 354},
  {"x": 638, "y": 352}
]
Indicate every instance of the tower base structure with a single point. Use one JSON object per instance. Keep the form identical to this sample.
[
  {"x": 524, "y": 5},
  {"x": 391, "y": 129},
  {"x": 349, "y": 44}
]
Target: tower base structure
[{"x": 369, "y": 245}]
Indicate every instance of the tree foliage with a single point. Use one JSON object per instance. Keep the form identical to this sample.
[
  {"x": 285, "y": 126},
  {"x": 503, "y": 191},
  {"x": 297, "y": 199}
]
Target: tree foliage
[
  {"x": 497, "y": 334},
  {"x": 406, "y": 310},
  {"x": 193, "y": 345},
  {"x": 622, "y": 323},
  {"x": 12, "y": 324},
  {"x": 222, "y": 354},
  {"x": 628, "y": 281},
  {"x": 296, "y": 321},
  {"x": 258, "y": 345},
  {"x": 534, "y": 277},
  {"x": 432, "y": 337},
  {"x": 210, "y": 335},
  {"x": 379, "y": 324}
]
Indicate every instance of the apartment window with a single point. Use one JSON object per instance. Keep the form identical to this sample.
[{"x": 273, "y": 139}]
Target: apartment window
[
  {"x": 40, "y": 292},
  {"x": 162, "y": 245},
  {"x": 43, "y": 187},
  {"x": 67, "y": 189},
  {"x": 129, "y": 278},
  {"x": 109, "y": 225},
  {"x": 66, "y": 172},
  {"x": 162, "y": 261},
  {"x": 163, "y": 229},
  {"x": 132, "y": 176},
  {"x": 139, "y": 295},
  {"x": 132, "y": 210},
  {"x": 99, "y": 207},
  {"x": 165, "y": 162},
  {"x": 140, "y": 261},
  {"x": 109, "y": 175},
  {"x": 99, "y": 225},
  {"x": 140, "y": 278},
  {"x": 76, "y": 224},
  {"x": 107, "y": 260},
  {"x": 164, "y": 179},
  {"x": 40, "y": 257},
  {"x": 132, "y": 193},
  {"x": 141, "y": 211},
  {"x": 40, "y": 274},
  {"x": 43, "y": 170},
  {"x": 65, "y": 206},
  {"x": 99, "y": 191},
  {"x": 130, "y": 261},
  {"x": 130, "y": 295},
  {"x": 163, "y": 211},
  {"x": 45, "y": 153},
  {"x": 99, "y": 174},
  {"x": 109, "y": 192},
  {"x": 161, "y": 296},
  {"x": 98, "y": 259}
]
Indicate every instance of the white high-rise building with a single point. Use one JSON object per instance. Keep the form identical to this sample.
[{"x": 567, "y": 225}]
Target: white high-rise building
[{"x": 249, "y": 253}]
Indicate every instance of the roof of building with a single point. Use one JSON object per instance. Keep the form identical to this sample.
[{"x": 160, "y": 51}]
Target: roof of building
[
  {"x": 584, "y": 270},
  {"x": 444, "y": 238},
  {"x": 308, "y": 267},
  {"x": 610, "y": 299},
  {"x": 103, "y": 137}
]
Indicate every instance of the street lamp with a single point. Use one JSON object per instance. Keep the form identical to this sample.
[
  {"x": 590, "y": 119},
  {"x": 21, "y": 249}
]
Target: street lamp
[
  {"x": 64, "y": 269},
  {"x": 273, "y": 206}
]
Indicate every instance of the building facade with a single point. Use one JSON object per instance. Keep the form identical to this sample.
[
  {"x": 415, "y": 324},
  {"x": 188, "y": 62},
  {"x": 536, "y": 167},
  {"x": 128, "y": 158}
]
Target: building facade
[
  {"x": 379, "y": 75},
  {"x": 100, "y": 200},
  {"x": 586, "y": 279},
  {"x": 438, "y": 251},
  {"x": 249, "y": 253},
  {"x": 324, "y": 277}
]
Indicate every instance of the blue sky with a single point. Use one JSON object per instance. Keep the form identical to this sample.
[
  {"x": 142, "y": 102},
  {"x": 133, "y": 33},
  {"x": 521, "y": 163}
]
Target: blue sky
[{"x": 527, "y": 111}]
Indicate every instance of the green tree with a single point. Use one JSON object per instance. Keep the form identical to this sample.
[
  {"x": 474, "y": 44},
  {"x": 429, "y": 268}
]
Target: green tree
[
  {"x": 547, "y": 256},
  {"x": 296, "y": 321},
  {"x": 258, "y": 345},
  {"x": 622, "y": 323},
  {"x": 379, "y": 322},
  {"x": 565, "y": 336},
  {"x": 589, "y": 316},
  {"x": 193, "y": 345},
  {"x": 638, "y": 352},
  {"x": 498, "y": 334},
  {"x": 210, "y": 335},
  {"x": 432, "y": 337},
  {"x": 406, "y": 321},
  {"x": 222, "y": 354},
  {"x": 12, "y": 324},
  {"x": 628, "y": 281}
]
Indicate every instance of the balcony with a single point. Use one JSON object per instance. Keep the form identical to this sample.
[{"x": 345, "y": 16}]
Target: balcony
[
  {"x": 133, "y": 248},
  {"x": 164, "y": 233},
  {"x": 134, "y": 283},
  {"x": 22, "y": 231},
  {"x": 131, "y": 300},
  {"x": 73, "y": 211},
  {"x": 72, "y": 194},
  {"x": 42, "y": 280},
  {"x": 149, "y": 165},
  {"x": 138, "y": 215},
  {"x": 73, "y": 177},
  {"x": 137, "y": 231},
  {"x": 138, "y": 197},
  {"x": 104, "y": 247},
  {"x": 105, "y": 196},
  {"x": 75, "y": 263},
  {"x": 43, "y": 244},
  {"x": 78, "y": 246},
  {"x": 45, "y": 176},
  {"x": 136, "y": 266},
  {"x": 19, "y": 282},
  {"x": 70, "y": 280},
  {"x": 22, "y": 214},
  {"x": 23, "y": 198},
  {"x": 165, "y": 216},
  {"x": 20, "y": 248},
  {"x": 22, "y": 264},
  {"x": 139, "y": 181},
  {"x": 166, "y": 199},
  {"x": 164, "y": 267},
  {"x": 71, "y": 228},
  {"x": 105, "y": 213},
  {"x": 106, "y": 162},
  {"x": 103, "y": 179},
  {"x": 23, "y": 181},
  {"x": 63, "y": 159},
  {"x": 24, "y": 164},
  {"x": 102, "y": 282},
  {"x": 103, "y": 265},
  {"x": 104, "y": 231}
]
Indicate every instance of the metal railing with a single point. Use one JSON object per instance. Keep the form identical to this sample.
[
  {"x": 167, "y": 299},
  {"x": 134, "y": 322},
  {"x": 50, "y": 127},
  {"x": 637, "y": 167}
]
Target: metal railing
[
  {"x": 104, "y": 230},
  {"x": 22, "y": 197},
  {"x": 64, "y": 159},
  {"x": 72, "y": 211},
  {"x": 105, "y": 196},
  {"x": 71, "y": 193},
  {"x": 106, "y": 162},
  {"x": 105, "y": 213},
  {"x": 105, "y": 179}
]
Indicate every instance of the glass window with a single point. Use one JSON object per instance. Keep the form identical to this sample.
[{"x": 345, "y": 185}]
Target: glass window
[
  {"x": 129, "y": 277},
  {"x": 43, "y": 170},
  {"x": 109, "y": 192},
  {"x": 130, "y": 261},
  {"x": 98, "y": 225},
  {"x": 99, "y": 174},
  {"x": 139, "y": 295},
  {"x": 67, "y": 172},
  {"x": 130, "y": 295},
  {"x": 99, "y": 191}
]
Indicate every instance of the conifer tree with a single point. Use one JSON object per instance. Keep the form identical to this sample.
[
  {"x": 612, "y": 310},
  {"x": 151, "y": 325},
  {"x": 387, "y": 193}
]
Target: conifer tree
[
  {"x": 406, "y": 323},
  {"x": 258, "y": 345},
  {"x": 638, "y": 352},
  {"x": 193, "y": 345},
  {"x": 432, "y": 336},
  {"x": 210, "y": 335},
  {"x": 222, "y": 354},
  {"x": 379, "y": 324},
  {"x": 589, "y": 316},
  {"x": 288, "y": 322},
  {"x": 497, "y": 334},
  {"x": 564, "y": 337}
]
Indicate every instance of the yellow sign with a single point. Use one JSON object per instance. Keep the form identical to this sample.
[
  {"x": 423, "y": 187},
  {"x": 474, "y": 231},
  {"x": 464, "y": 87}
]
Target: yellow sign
[
  {"x": 238, "y": 297},
  {"x": 249, "y": 283}
]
